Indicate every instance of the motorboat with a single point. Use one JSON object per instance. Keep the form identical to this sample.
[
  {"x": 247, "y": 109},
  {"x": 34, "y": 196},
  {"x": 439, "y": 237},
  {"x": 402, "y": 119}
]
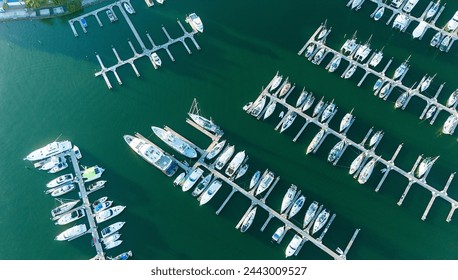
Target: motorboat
[
  {"x": 72, "y": 233},
  {"x": 288, "y": 198},
  {"x": 109, "y": 213},
  {"x": 401, "y": 69},
  {"x": 110, "y": 15},
  {"x": 308, "y": 102},
  {"x": 384, "y": 90},
  {"x": 401, "y": 100},
  {"x": 270, "y": 109},
  {"x": 216, "y": 150},
  {"x": 452, "y": 24},
  {"x": 375, "y": 138},
  {"x": 366, "y": 171},
  {"x": 210, "y": 192},
  {"x": 179, "y": 179},
  {"x": 430, "y": 112},
  {"x": 278, "y": 233},
  {"x": 175, "y": 142},
  {"x": 107, "y": 231},
  {"x": 426, "y": 83},
  {"x": 64, "y": 207},
  {"x": 195, "y": 22},
  {"x": 83, "y": 22},
  {"x": 248, "y": 220},
  {"x": 128, "y": 254},
  {"x": 224, "y": 157},
  {"x": 293, "y": 245},
  {"x": 397, "y": 3},
  {"x": 318, "y": 108},
  {"x": 70, "y": 217},
  {"x": 309, "y": 50},
  {"x": 258, "y": 106},
  {"x": 275, "y": 82},
  {"x": 284, "y": 89},
  {"x": 425, "y": 165},
  {"x": 265, "y": 182},
  {"x": 297, "y": 206},
  {"x": 113, "y": 244},
  {"x": 111, "y": 238},
  {"x": 77, "y": 152},
  {"x": 92, "y": 173},
  {"x": 59, "y": 167},
  {"x": 356, "y": 163},
  {"x": 205, "y": 123},
  {"x": 289, "y": 121},
  {"x": 379, "y": 13},
  {"x": 336, "y": 151},
  {"x": 60, "y": 180},
  {"x": 247, "y": 106},
  {"x": 420, "y": 29},
  {"x": 450, "y": 124},
  {"x": 401, "y": 21},
  {"x": 355, "y": 3},
  {"x": 128, "y": 8},
  {"x": 310, "y": 214},
  {"x": 335, "y": 63},
  {"x": 155, "y": 59},
  {"x": 99, "y": 201},
  {"x": 102, "y": 206},
  {"x": 202, "y": 185},
  {"x": 313, "y": 144},
  {"x": 96, "y": 186},
  {"x": 254, "y": 179},
  {"x": 160, "y": 1},
  {"x": 235, "y": 164},
  {"x": 451, "y": 101},
  {"x": 350, "y": 71},
  {"x": 50, "y": 162},
  {"x": 330, "y": 109},
  {"x": 378, "y": 84},
  {"x": 152, "y": 155},
  {"x": 192, "y": 179},
  {"x": 301, "y": 99},
  {"x": 320, "y": 220},
  {"x": 242, "y": 170},
  {"x": 322, "y": 33},
  {"x": 445, "y": 43},
  {"x": 376, "y": 59},
  {"x": 436, "y": 39},
  {"x": 409, "y": 6},
  {"x": 61, "y": 190},
  {"x": 432, "y": 10},
  {"x": 346, "y": 121},
  {"x": 49, "y": 150},
  {"x": 318, "y": 55}
]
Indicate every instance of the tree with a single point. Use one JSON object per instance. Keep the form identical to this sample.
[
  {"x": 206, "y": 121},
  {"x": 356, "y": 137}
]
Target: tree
[
  {"x": 59, "y": 2},
  {"x": 33, "y": 4}
]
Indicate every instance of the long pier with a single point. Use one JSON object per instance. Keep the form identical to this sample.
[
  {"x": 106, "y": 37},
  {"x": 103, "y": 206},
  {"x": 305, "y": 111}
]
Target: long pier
[
  {"x": 412, "y": 92},
  {"x": 390, "y": 165}
]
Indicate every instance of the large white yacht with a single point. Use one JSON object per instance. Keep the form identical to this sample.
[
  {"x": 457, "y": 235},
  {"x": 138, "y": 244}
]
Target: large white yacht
[
  {"x": 109, "y": 213},
  {"x": 288, "y": 198},
  {"x": 70, "y": 217},
  {"x": 195, "y": 22},
  {"x": 191, "y": 180},
  {"x": 235, "y": 163},
  {"x": 175, "y": 142},
  {"x": 210, "y": 192},
  {"x": 155, "y": 59},
  {"x": 224, "y": 157},
  {"x": 310, "y": 213},
  {"x": 60, "y": 180},
  {"x": 72, "y": 233},
  {"x": 51, "y": 149},
  {"x": 293, "y": 245}
]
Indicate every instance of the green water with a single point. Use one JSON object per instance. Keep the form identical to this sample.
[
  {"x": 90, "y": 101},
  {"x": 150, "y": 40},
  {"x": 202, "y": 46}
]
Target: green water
[{"x": 48, "y": 88}]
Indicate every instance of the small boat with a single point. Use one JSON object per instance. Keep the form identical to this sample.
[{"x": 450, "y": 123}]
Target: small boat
[
  {"x": 125, "y": 255},
  {"x": 376, "y": 58},
  {"x": 436, "y": 39},
  {"x": 301, "y": 99},
  {"x": 318, "y": 107},
  {"x": 155, "y": 59},
  {"x": 247, "y": 106},
  {"x": 430, "y": 112},
  {"x": 293, "y": 245},
  {"x": 335, "y": 63},
  {"x": 281, "y": 115},
  {"x": 98, "y": 201},
  {"x": 297, "y": 206},
  {"x": 375, "y": 138},
  {"x": 195, "y": 22},
  {"x": 289, "y": 121},
  {"x": 385, "y": 90},
  {"x": 92, "y": 173},
  {"x": 216, "y": 150},
  {"x": 242, "y": 171},
  {"x": 64, "y": 207},
  {"x": 355, "y": 3},
  {"x": 425, "y": 165},
  {"x": 450, "y": 124},
  {"x": 309, "y": 50},
  {"x": 248, "y": 220},
  {"x": 322, "y": 33},
  {"x": 265, "y": 182},
  {"x": 315, "y": 141},
  {"x": 346, "y": 121},
  {"x": 83, "y": 22},
  {"x": 192, "y": 179},
  {"x": 278, "y": 233},
  {"x": 224, "y": 157},
  {"x": 320, "y": 220},
  {"x": 350, "y": 71},
  {"x": 61, "y": 190},
  {"x": 356, "y": 163},
  {"x": 96, "y": 186},
  {"x": 49, "y": 163},
  {"x": 409, "y": 6},
  {"x": 111, "y": 229},
  {"x": 378, "y": 84},
  {"x": 60, "y": 180},
  {"x": 77, "y": 152},
  {"x": 128, "y": 7},
  {"x": 366, "y": 171},
  {"x": 102, "y": 206},
  {"x": 202, "y": 185},
  {"x": 401, "y": 69},
  {"x": 330, "y": 109},
  {"x": 379, "y": 13},
  {"x": 109, "y": 213},
  {"x": 175, "y": 142},
  {"x": 111, "y": 238},
  {"x": 310, "y": 213},
  {"x": 179, "y": 179},
  {"x": 284, "y": 89},
  {"x": 275, "y": 82},
  {"x": 432, "y": 10},
  {"x": 59, "y": 167},
  {"x": 110, "y": 15},
  {"x": 258, "y": 106},
  {"x": 420, "y": 29},
  {"x": 445, "y": 43},
  {"x": 72, "y": 233},
  {"x": 254, "y": 179},
  {"x": 401, "y": 100},
  {"x": 288, "y": 198},
  {"x": 270, "y": 109},
  {"x": 70, "y": 217},
  {"x": 336, "y": 151},
  {"x": 160, "y": 1},
  {"x": 452, "y": 99},
  {"x": 426, "y": 83},
  {"x": 205, "y": 123},
  {"x": 319, "y": 54},
  {"x": 113, "y": 244},
  {"x": 308, "y": 102},
  {"x": 210, "y": 192}
]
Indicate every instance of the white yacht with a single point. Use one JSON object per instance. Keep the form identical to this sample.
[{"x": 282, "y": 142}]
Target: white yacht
[
  {"x": 235, "y": 164},
  {"x": 60, "y": 180},
  {"x": 192, "y": 179},
  {"x": 293, "y": 245},
  {"x": 285, "y": 88},
  {"x": 430, "y": 112},
  {"x": 202, "y": 185},
  {"x": 375, "y": 138},
  {"x": 409, "y": 6},
  {"x": 265, "y": 182},
  {"x": 72, "y": 233},
  {"x": 432, "y": 10},
  {"x": 309, "y": 50},
  {"x": 308, "y": 102},
  {"x": 152, "y": 155},
  {"x": 452, "y": 24},
  {"x": 77, "y": 152},
  {"x": 335, "y": 63},
  {"x": 437, "y": 38},
  {"x": 426, "y": 83},
  {"x": 318, "y": 108},
  {"x": 302, "y": 97},
  {"x": 379, "y": 13},
  {"x": 401, "y": 69},
  {"x": 275, "y": 82},
  {"x": 401, "y": 100},
  {"x": 336, "y": 151},
  {"x": 350, "y": 71},
  {"x": 355, "y": 3},
  {"x": 278, "y": 233},
  {"x": 109, "y": 213},
  {"x": 450, "y": 124},
  {"x": 205, "y": 123},
  {"x": 155, "y": 59},
  {"x": 98, "y": 201},
  {"x": 128, "y": 8},
  {"x": 216, "y": 150},
  {"x": 59, "y": 167},
  {"x": 195, "y": 22},
  {"x": 420, "y": 29},
  {"x": 384, "y": 90},
  {"x": 175, "y": 142},
  {"x": 288, "y": 198},
  {"x": 452, "y": 99},
  {"x": 347, "y": 120},
  {"x": 401, "y": 21},
  {"x": 111, "y": 229},
  {"x": 49, "y": 150},
  {"x": 310, "y": 213},
  {"x": 113, "y": 244},
  {"x": 297, "y": 206},
  {"x": 270, "y": 109},
  {"x": 323, "y": 32},
  {"x": 61, "y": 190},
  {"x": 318, "y": 55},
  {"x": 320, "y": 220},
  {"x": 315, "y": 141},
  {"x": 425, "y": 165},
  {"x": 248, "y": 220},
  {"x": 96, "y": 186},
  {"x": 210, "y": 192},
  {"x": 111, "y": 238},
  {"x": 356, "y": 163},
  {"x": 363, "y": 51},
  {"x": 330, "y": 109},
  {"x": 102, "y": 206},
  {"x": 376, "y": 59},
  {"x": 92, "y": 173},
  {"x": 49, "y": 163},
  {"x": 258, "y": 106},
  {"x": 64, "y": 207},
  {"x": 254, "y": 179},
  {"x": 349, "y": 46},
  {"x": 70, "y": 217},
  {"x": 445, "y": 43},
  {"x": 288, "y": 121},
  {"x": 366, "y": 171},
  {"x": 224, "y": 157}
]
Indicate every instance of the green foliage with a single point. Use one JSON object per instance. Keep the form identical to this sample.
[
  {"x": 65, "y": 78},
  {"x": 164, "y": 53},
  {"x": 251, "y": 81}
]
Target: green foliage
[
  {"x": 5, "y": 6},
  {"x": 59, "y": 2},
  {"x": 74, "y": 5}
]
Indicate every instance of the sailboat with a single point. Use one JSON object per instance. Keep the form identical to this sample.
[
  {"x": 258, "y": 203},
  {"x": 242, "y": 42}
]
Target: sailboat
[
  {"x": 207, "y": 124},
  {"x": 425, "y": 165}
]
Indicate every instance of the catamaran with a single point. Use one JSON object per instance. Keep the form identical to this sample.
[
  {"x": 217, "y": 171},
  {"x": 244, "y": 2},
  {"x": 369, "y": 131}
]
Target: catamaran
[
  {"x": 297, "y": 206},
  {"x": 320, "y": 220},
  {"x": 175, "y": 142},
  {"x": 376, "y": 58},
  {"x": 248, "y": 220},
  {"x": 310, "y": 213},
  {"x": 425, "y": 165},
  {"x": 224, "y": 157},
  {"x": 315, "y": 141},
  {"x": 49, "y": 150},
  {"x": 288, "y": 198},
  {"x": 192, "y": 179}
]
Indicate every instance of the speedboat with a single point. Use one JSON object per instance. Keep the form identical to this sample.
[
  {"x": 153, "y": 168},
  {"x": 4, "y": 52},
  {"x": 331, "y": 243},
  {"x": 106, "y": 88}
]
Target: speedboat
[
  {"x": 309, "y": 50},
  {"x": 450, "y": 124},
  {"x": 318, "y": 55},
  {"x": 308, "y": 102},
  {"x": 285, "y": 88},
  {"x": 202, "y": 185},
  {"x": 346, "y": 121},
  {"x": 278, "y": 233},
  {"x": 409, "y": 6},
  {"x": 49, "y": 150},
  {"x": 320, "y": 220},
  {"x": 452, "y": 24},
  {"x": 335, "y": 63},
  {"x": 210, "y": 192},
  {"x": 356, "y": 163},
  {"x": 235, "y": 164},
  {"x": 109, "y": 213},
  {"x": 430, "y": 112},
  {"x": 175, "y": 142},
  {"x": 375, "y": 138},
  {"x": 152, "y": 155},
  {"x": 111, "y": 238},
  {"x": 420, "y": 29},
  {"x": 436, "y": 39},
  {"x": 49, "y": 163},
  {"x": 301, "y": 99},
  {"x": 330, "y": 109},
  {"x": 350, "y": 71},
  {"x": 323, "y": 32},
  {"x": 270, "y": 109},
  {"x": 92, "y": 173},
  {"x": 425, "y": 85},
  {"x": 254, "y": 179},
  {"x": 336, "y": 151},
  {"x": 155, "y": 59},
  {"x": 425, "y": 165},
  {"x": 99, "y": 201},
  {"x": 315, "y": 141},
  {"x": 242, "y": 171},
  {"x": 96, "y": 186},
  {"x": 265, "y": 182},
  {"x": 128, "y": 254},
  {"x": 319, "y": 106},
  {"x": 160, "y": 1},
  {"x": 59, "y": 167},
  {"x": 64, "y": 207},
  {"x": 401, "y": 21},
  {"x": 113, "y": 244},
  {"x": 445, "y": 43},
  {"x": 275, "y": 82},
  {"x": 401, "y": 69},
  {"x": 452, "y": 99},
  {"x": 77, "y": 152},
  {"x": 179, "y": 179},
  {"x": 310, "y": 213},
  {"x": 293, "y": 245},
  {"x": 70, "y": 217},
  {"x": 216, "y": 150},
  {"x": 111, "y": 229},
  {"x": 195, "y": 22},
  {"x": 224, "y": 157},
  {"x": 72, "y": 233},
  {"x": 376, "y": 58},
  {"x": 192, "y": 179},
  {"x": 379, "y": 13},
  {"x": 289, "y": 121},
  {"x": 128, "y": 7},
  {"x": 60, "y": 180},
  {"x": 288, "y": 198},
  {"x": 401, "y": 100},
  {"x": 355, "y": 3},
  {"x": 432, "y": 10},
  {"x": 205, "y": 123},
  {"x": 385, "y": 90},
  {"x": 102, "y": 206},
  {"x": 366, "y": 171},
  {"x": 110, "y": 15},
  {"x": 297, "y": 206},
  {"x": 378, "y": 84},
  {"x": 258, "y": 106},
  {"x": 248, "y": 220},
  {"x": 61, "y": 190}
]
